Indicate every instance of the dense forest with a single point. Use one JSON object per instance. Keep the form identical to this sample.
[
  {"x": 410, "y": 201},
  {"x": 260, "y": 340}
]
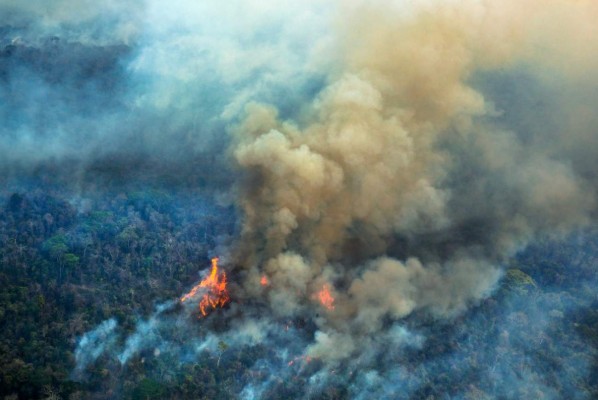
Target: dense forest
[
  {"x": 66, "y": 267},
  {"x": 69, "y": 263}
]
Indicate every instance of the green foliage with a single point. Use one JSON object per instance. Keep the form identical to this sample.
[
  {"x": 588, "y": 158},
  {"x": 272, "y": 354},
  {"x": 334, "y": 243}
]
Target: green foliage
[
  {"x": 127, "y": 237},
  {"x": 222, "y": 346},
  {"x": 99, "y": 223},
  {"x": 148, "y": 389},
  {"x": 517, "y": 280},
  {"x": 100, "y": 217},
  {"x": 56, "y": 246},
  {"x": 71, "y": 260}
]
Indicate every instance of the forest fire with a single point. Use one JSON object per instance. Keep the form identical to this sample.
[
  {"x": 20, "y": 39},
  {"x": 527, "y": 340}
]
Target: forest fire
[
  {"x": 264, "y": 280},
  {"x": 325, "y": 297},
  {"x": 215, "y": 293},
  {"x": 306, "y": 359}
]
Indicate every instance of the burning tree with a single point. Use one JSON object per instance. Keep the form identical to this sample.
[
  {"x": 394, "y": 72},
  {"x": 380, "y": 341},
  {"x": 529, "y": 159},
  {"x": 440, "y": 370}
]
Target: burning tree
[{"x": 213, "y": 290}]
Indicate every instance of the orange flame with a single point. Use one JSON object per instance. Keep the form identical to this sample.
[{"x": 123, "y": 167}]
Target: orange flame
[
  {"x": 264, "y": 280},
  {"x": 306, "y": 359},
  {"x": 325, "y": 297},
  {"x": 215, "y": 294}
]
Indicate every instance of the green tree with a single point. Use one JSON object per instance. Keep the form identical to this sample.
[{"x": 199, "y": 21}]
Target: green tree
[
  {"x": 56, "y": 248},
  {"x": 148, "y": 389},
  {"x": 222, "y": 346}
]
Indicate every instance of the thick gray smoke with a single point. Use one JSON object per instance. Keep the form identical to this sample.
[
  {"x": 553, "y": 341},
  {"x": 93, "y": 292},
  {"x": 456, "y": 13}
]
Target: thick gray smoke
[
  {"x": 398, "y": 186},
  {"x": 390, "y": 155}
]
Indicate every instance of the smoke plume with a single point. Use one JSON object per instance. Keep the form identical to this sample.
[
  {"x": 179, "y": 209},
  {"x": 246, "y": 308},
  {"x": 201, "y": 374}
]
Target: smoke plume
[{"x": 397, "y": 184}]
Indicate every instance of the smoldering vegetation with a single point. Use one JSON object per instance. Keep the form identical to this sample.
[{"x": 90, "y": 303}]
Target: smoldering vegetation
[
  {"x": 93, "y": 293},
  {"x": 387, "y": 179}
]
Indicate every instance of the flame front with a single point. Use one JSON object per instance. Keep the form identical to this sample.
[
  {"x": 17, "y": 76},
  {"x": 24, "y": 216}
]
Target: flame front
[
  {"x": 306, "y": 359},
  {"x": 215, "y": 293},
  {"x": 325, "y": 297}
]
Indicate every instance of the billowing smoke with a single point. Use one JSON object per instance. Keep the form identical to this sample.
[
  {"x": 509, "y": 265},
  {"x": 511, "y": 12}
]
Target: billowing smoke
[
  {"x": 396, "y": 185},
  {"x": 394, "y": 156}
]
